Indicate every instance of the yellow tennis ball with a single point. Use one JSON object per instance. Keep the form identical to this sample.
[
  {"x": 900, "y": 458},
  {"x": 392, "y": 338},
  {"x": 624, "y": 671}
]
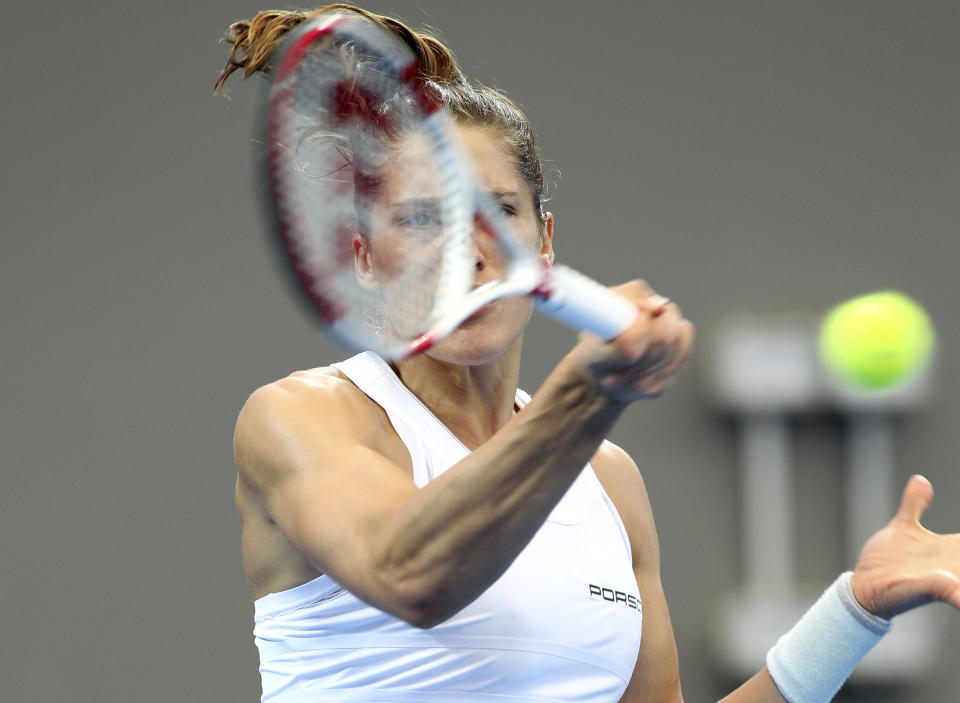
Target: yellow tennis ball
[{"x": 877, "y": 341}]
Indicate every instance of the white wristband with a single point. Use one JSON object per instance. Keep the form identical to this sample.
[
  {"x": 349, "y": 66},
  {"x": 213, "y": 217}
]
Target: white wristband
[{"x": 810, "y": 663}]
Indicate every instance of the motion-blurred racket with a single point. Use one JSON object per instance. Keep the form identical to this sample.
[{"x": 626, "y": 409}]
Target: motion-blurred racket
[{"x": 345, "y": 103}]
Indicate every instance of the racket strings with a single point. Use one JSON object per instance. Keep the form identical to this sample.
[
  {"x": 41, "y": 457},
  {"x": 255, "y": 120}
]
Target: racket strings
[{"x": 343, "y": 115}]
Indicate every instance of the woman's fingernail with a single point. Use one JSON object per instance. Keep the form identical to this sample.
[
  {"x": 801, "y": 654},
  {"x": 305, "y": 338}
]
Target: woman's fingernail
[{"x": 656, "y": 304}]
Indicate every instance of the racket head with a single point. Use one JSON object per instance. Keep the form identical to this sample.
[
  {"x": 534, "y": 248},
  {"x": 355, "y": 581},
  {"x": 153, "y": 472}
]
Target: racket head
[{"x": 377, "y": 245}]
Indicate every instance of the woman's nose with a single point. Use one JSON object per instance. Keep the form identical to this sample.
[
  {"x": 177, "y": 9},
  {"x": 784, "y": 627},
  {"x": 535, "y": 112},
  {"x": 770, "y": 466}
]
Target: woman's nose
[
  {"x": 481, "y": 231},
  {"x": 479, "y": 261}
]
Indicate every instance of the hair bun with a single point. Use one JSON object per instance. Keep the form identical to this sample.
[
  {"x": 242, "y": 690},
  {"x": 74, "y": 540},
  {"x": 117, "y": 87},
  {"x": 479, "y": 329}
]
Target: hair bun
[{"x": 254, "y": 41}]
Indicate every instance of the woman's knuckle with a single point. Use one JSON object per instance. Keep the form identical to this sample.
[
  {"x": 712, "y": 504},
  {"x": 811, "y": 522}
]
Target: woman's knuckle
[{"x": 638, "y": 285}]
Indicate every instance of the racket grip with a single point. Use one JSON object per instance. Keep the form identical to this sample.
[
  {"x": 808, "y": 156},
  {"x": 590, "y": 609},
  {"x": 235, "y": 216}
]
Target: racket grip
[{"x": 580, "y": 302}]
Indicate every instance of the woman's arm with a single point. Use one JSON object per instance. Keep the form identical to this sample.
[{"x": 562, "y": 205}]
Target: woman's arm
[{"x": 317, "y": 458}]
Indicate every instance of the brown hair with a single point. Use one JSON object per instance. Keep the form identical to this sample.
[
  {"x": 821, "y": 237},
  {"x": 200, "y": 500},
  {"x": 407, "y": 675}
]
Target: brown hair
[{"x": 254, "y": 41}]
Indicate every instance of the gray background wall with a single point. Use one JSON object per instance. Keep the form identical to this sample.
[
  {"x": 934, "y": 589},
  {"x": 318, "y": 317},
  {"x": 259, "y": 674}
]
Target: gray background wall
[{"x": 741, "y": 156}]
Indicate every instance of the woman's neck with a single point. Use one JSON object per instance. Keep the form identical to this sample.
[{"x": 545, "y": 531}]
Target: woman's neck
[{"x": 472, "y": 401}]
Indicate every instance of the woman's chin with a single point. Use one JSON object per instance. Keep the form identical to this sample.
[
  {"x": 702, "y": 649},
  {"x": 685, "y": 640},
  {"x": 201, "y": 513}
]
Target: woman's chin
[
  {"x": 487, "y": 334},
  {"x": 477, "y": 342}
]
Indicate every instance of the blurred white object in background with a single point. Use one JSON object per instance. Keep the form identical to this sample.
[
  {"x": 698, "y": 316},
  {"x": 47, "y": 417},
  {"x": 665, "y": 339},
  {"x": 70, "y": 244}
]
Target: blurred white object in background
[{"x": 764, "y": 371}]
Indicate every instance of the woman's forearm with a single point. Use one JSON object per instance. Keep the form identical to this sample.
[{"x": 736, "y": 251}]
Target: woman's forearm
[{"x": 458, "y": 534}]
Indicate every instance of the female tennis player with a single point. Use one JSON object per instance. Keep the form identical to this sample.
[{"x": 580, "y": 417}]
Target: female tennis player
[{"x": 424, "y": 531}]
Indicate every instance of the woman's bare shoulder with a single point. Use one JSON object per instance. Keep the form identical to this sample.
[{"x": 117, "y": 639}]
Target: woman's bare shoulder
[
  {"x": 623, "y": 483},
  {"x": 313, "y": 411},
  {"x": 319, "y": 390},
  {"x": 617, "y": 471}
]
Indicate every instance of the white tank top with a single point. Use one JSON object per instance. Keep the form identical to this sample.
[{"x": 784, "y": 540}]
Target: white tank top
[{"x": 563, "y": 623}]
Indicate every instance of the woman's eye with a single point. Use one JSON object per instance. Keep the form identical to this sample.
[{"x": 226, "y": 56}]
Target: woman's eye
[
  {"x": 504, "y": 210},
  {"x": 421, "y": 220}
]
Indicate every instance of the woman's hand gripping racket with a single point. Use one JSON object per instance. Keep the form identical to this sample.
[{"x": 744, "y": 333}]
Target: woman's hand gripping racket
[{"x": 345, "y": 105}]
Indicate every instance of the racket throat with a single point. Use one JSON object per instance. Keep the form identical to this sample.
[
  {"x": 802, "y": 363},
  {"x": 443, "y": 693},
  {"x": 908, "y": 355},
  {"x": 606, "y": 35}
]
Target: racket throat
[{"x": 422, "y": 343}]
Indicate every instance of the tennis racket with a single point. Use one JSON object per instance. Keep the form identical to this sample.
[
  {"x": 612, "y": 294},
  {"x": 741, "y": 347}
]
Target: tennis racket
[{"x": 345, "y": 102}]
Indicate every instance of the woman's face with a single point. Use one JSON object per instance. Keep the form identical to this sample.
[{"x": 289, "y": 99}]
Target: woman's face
[{"x": 401, "y": 253}]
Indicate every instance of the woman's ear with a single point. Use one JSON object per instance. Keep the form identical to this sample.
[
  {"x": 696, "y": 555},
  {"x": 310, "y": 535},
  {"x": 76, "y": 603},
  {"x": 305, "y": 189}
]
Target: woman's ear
[
  {"x": 362, "y": 262},
  {"x": 546, "y": 238}
]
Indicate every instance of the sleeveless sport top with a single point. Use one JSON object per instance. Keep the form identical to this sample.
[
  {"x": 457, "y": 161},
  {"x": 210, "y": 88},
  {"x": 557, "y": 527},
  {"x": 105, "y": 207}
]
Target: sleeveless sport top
[{"x": 563, "y": 623}]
